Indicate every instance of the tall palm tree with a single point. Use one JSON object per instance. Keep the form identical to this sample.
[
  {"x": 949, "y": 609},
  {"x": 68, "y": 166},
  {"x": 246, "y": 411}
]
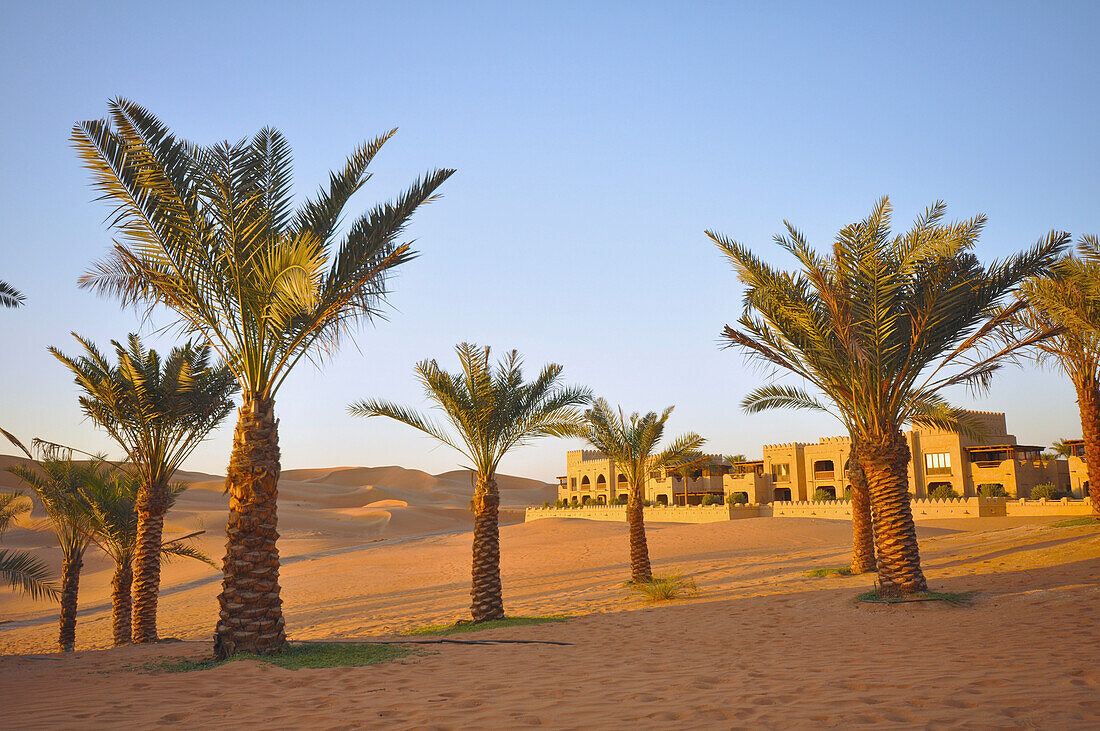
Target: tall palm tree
[
  {"x": 158, "y": 411},
  {"x": 113, "y": 504},
  {"x": 10, "y": 296},
  {"x": 881, "y": 326},
  {"x": 1068, "y": 301},
  {"x": 492, "y": 412},
  {"x": 631, "y": 444},
  {"x": 211, "y": 234},
  {"x": 19, "y": 569},
  {"x": 59, "y": 483}
]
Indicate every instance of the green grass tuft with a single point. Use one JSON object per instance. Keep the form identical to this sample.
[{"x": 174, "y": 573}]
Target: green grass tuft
[
  {"x": 822, "y": 573},
  {"x": 1083, "y": 520},
  {"x": 664, "y": 588},
  {"x": 956, "y": 598},
  {"x": 296, "y": 656},
  {"x": 469, "y": 626}
]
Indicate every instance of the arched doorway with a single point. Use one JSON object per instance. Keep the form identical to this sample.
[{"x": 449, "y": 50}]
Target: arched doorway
[{"x": 782, "y": 494}]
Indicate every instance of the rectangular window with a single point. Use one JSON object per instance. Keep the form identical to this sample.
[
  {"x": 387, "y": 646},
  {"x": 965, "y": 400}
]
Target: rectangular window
[
  {"x": 573, "y": 483},
  {"x": 781, "y": 472},
  {"x": 937, "y": 463}
]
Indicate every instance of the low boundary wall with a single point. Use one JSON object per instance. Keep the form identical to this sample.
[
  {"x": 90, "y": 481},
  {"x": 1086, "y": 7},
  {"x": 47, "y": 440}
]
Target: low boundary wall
[
  {"x": 969, "y": 507},
  {"x": 660, "y": 514}
]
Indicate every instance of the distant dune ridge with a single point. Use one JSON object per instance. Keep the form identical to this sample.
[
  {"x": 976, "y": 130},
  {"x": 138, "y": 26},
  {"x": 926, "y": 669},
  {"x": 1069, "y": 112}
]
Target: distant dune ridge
[
  {"x": 319, "y": 509},
  {"x": 365, "y": 502}
]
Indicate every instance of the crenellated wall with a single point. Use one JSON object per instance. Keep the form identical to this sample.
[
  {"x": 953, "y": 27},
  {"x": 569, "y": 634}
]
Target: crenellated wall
[{"x": 656, "y": 514}]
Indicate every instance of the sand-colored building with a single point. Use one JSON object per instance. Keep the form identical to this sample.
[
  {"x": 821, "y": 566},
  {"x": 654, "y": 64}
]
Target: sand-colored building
[
  {"x": 1078, "y": 469},
  {"x": 798, "y": 470}
]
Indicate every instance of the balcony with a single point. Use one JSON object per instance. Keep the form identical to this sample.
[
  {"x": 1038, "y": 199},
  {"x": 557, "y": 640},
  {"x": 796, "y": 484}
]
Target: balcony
[{"x": 823, "y": 474}]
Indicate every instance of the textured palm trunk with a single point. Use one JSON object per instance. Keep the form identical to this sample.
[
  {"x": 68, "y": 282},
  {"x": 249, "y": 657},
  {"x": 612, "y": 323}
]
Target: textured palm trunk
[
  {"x": 885, "y": 464},
  {"x": 863, "y": 535},
  {"x": 1088, "y": 400},
  {"x": 251, "y": 617},
  {"x": 640, "y": 569},
  {"x": 487, "y": 600},
  {"x": 152, "y": 503},
  {"x": 120, "y": 602},
  {"x": 70, "y": 586}
]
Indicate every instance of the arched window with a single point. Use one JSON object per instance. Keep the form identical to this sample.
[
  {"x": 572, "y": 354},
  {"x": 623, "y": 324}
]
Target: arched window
[{"x": 585, "y": 483}]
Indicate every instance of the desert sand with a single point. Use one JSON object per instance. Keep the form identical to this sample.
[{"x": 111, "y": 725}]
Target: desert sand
[{"x": 371, "y": 552}]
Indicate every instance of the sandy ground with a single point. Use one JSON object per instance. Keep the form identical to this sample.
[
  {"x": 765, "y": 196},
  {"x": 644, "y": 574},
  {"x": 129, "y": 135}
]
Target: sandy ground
[{"x": 762, "y": 646}]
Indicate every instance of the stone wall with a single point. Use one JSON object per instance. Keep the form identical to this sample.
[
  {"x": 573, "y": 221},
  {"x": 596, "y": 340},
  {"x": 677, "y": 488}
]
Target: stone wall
[
  {"x": 1065, "y": 506},
  {"x": 657, "y": 514},
  {"x": 970, "y": 507}
]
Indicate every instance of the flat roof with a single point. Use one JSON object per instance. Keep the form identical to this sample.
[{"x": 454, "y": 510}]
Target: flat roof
[{"x": 1006, "y": 448}]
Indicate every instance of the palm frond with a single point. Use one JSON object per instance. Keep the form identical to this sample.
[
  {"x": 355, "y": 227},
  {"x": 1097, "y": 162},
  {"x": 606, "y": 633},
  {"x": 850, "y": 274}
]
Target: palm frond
[
  {"x": 27, "y": 574},
  {"x": 10, "y": 296}
]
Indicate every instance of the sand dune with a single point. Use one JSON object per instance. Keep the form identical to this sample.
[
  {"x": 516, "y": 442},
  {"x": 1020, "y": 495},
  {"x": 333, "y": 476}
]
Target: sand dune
[{"x": 763, "y": 645}]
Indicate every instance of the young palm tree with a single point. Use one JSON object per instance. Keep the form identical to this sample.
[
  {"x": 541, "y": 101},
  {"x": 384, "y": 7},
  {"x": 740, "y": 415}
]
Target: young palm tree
[
  {"x": 157, "y": 411},
  {"x": 631, "y": 444},
  {"x": 210, "y": 233},
  {"x": 880, "y": 327},
  {"x": 113, "y": 504},
  {"x": 10, "y": 296},
  {"x": 59, "y": 483},
  {"x": 1067, "y": 301},
  {"x": 20, "y": 570},
  {"x": 492, "y": 413}
]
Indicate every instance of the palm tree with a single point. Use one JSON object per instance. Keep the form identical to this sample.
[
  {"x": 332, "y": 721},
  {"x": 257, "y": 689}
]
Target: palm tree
[
  {"x": 10, "y": 296},
  {"x": 20, "y": 570},
  {"x": 631, "y": 444},
  {"x": 158, "y": 411},
  {"x": 492, "y": 412},
  {"x": 59, "y": 483},
  {"x": 880, "y": 327},
  {"x": 210, "y": 233},
  {"x": 113, "y": 505},
  {"x": 863, "y": 532},
  {"x": 1068, "y": 301}
]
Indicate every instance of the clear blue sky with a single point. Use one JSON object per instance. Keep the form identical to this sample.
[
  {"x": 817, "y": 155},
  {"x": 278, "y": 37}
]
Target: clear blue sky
[{"x": 594, "y": 143}]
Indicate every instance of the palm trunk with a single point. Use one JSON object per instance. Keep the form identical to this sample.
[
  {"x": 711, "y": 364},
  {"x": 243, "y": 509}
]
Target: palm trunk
[
  {"x": 885, "y": 463},
  {"x": 863, "y": 536},
  {"x": 152, "y": 503},
  {"x": 251, "y": 617},
  {"x": 487, "y": 601},
  {"x": 70, "y": 585},
  {"x": 1088, "y": 400},
  {"x": 640, "y": 569},
  {"x": 120, "y": 602}
]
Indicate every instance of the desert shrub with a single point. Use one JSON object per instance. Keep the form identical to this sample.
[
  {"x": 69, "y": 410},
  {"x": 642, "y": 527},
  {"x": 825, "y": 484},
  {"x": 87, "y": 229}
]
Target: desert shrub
[
  {"x": 560, "y": 503},
  {"x": 665, "y": 588},
  {"x": 737, "y": 498},
  {"x": 822, "y": 495},
  {"x": 573, "y": 500},
  {"x": 943, "y": 492},
  {"x": 709, "y": 499},
  {"x": 619, "y": 501},
  {"x": 1046, "y": 491},
  {"x": 586, "y": 500},
  {"x": 992, "y": 491},
  {"x": 546, "y": 504},
  {"x": 848, "y": 493}
]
